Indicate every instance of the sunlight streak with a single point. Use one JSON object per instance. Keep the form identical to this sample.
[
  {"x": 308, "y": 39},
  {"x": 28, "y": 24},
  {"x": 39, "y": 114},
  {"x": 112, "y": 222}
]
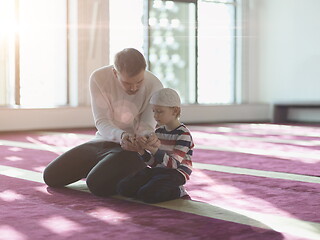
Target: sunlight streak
[
  {"x": 35, "y": 145},
  {"x": 21, "y": 173},
  {"x": 108, "y": 215},
  {"x": 307, "y": 230},
  {"x": 257, "y": 173},
  {"x": 300, "y": 155},
  {"x": 61, "y": 226},
  {"x": 46, "y": 147},
  {"x": 10, "y": 196},
  {"x": 8, "y": 232},
  {"x": 67, "y": 135},
  {"x": 214, "y": 136},
  {"x": 222, "y": 192},
  {"x": 285, "y": 152},
  {"x": 292, "y": 226},
  {"x": 13, "y": 158},
  {"x": 14, "y": 149},
  {"x": 262, "y": 129},
  {"x": 64, "y": 139}
]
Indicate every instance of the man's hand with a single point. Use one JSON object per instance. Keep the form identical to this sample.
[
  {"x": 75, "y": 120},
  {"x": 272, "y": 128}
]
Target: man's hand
[{"x": 128, "y": 142}]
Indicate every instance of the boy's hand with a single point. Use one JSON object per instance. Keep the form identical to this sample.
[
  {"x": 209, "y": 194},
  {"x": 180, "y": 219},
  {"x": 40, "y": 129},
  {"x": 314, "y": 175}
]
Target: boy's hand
[
  {"x": 142, "y": 141},
  {"x": 154, "y": 141},
  {"x": 150, "y": 143}
]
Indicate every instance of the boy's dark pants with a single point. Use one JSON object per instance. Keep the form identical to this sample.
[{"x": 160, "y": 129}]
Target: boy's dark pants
[{"x": 152, "y": 185}]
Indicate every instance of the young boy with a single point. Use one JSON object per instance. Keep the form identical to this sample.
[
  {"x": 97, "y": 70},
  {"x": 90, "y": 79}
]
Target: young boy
[{"x": 169, "y": 160}]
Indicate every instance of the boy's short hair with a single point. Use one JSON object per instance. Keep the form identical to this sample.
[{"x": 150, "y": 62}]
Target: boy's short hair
[
  {"x": 129, "y": 61},
  {"x": 166, "y": 97}
]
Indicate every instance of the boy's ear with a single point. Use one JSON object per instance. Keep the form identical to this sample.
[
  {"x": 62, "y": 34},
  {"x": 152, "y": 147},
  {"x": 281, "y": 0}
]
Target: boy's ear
[{"x": 176, "y": 111}]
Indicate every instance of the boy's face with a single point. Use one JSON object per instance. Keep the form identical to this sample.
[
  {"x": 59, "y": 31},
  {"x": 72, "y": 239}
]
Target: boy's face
[
  {"x": 164, "y": 115},
  {"x": 130, "y": 85}
]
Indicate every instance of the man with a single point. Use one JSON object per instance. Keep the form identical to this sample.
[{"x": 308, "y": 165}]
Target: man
[{"x": 120, "y": 96}]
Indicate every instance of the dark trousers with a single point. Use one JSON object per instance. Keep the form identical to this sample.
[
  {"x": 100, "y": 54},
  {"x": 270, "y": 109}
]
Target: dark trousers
[
  {"x": 152, "y": 185},
  {"x": 103, "y": 164}
]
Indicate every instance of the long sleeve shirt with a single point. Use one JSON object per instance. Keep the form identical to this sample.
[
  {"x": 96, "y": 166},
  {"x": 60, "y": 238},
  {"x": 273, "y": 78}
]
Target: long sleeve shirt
[
  {"x": 175, "y": 151},
  {"x": 115, "y": 111}
]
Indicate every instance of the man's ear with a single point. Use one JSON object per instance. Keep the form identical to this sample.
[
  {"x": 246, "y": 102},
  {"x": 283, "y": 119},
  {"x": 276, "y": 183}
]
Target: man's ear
[{"x": 115, "y": 73}]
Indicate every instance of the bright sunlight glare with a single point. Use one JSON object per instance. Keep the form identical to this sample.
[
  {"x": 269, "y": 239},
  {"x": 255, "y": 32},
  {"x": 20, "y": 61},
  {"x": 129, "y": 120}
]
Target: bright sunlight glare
[{"x": 8, "y": 23}]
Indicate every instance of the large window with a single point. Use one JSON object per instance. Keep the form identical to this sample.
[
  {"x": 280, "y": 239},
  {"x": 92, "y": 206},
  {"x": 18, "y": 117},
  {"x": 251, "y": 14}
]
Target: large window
[
  {"x": 33, "y": 45},
  {"x": 216, "y": 51},
  {"x": 190, "y": 44},
  {"x": 172, "y": 45},
  {"x": 126, "y": 25}
]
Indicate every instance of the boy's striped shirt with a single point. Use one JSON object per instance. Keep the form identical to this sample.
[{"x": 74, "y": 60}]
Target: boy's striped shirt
[{"x": 175, "y": 151}]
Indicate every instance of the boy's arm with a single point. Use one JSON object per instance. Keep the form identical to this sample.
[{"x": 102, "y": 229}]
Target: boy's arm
[{"x": 184, "y": 145}]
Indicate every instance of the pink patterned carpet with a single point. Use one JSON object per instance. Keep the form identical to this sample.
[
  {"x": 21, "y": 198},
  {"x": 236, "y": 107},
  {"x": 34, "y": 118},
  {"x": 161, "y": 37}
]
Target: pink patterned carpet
[{"x": 31, "y": 210}]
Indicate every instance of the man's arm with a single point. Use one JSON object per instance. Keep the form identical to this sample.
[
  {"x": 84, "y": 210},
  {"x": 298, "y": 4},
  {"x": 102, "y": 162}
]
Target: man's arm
[{"x": 102, "y": 113}]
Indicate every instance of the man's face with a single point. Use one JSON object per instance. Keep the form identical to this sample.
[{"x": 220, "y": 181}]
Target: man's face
[{"x": 131, "y": 85}]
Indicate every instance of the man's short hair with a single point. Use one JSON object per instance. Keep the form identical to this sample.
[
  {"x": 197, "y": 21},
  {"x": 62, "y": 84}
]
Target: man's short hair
[{"x": 129, "y": 61}]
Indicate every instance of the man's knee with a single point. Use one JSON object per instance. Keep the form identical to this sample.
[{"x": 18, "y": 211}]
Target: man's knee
[{"x": 50, "y": 178}]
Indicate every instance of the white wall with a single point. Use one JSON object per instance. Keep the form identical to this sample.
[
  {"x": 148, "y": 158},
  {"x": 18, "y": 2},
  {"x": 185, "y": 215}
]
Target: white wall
[
  {"x": 289, "y": 50},
  {"x": 29, "y": 119},
  {"x": 54, "y": 118},
  {"x": 288, "y": 36}
]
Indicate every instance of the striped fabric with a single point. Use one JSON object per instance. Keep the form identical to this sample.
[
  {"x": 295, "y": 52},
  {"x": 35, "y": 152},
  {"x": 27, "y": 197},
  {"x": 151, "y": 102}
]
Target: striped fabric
[{"x": 175, "y": 150}]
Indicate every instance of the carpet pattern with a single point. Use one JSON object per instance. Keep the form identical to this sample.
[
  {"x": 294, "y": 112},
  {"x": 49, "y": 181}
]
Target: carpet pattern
[{"x": 250, "y": 181}]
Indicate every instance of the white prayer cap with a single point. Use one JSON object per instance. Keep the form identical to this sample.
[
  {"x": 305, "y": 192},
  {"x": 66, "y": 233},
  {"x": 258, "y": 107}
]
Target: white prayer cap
[{"x": 165, "y": 97}]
